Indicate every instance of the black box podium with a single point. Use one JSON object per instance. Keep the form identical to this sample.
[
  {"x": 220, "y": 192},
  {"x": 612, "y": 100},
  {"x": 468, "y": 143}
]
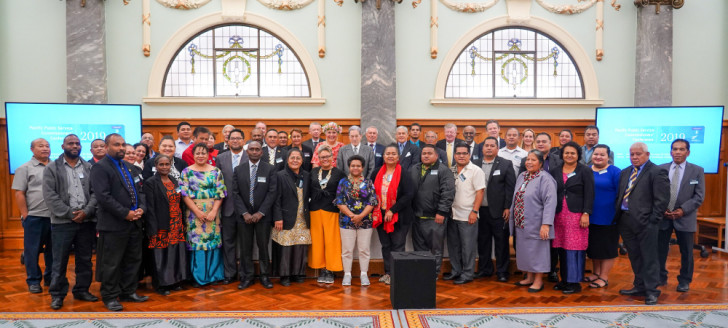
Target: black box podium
[{"x": 413, "y": 280}]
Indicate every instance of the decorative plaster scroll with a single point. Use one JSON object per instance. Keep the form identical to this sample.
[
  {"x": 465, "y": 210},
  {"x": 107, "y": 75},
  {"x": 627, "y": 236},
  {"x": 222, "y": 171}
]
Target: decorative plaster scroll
[
  {"x": 468, "y": 7},
  {"x": 433, "y": 29},
  {"x": 321, "y": 26},
  {"x": 146, "y": 33},
  {"x": 341, "y": 2},
  {"x": 567, "y": 9},
  {"x": 285, "y": 4},
  {"x": 600, "y": 30},
  {"x": 183, "y": 4}
]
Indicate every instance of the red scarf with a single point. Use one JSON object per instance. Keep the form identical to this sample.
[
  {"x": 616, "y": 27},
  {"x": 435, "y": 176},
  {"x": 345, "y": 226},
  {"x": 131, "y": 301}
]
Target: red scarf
[{"x": 391, "y": 197}]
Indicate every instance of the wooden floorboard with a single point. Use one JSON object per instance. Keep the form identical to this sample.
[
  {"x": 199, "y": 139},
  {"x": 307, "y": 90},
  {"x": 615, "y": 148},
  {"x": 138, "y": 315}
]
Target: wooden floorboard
[{"x": 710, "y": 286}]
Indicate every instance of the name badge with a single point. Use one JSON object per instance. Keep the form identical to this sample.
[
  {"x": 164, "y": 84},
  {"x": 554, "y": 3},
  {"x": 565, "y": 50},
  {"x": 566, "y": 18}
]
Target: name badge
[
  {"x": 603, "y": 171},
  {"x": 377, "y": 155},
  {"x": 80, "y": 175},
  {"x": 475, "y": 156},
  {"x": 323, "y": 181},
  {"x": 261, "y": 179},
  {"x": 693, "y": 182},
  {"x": 362, "y": 185},
  {"x": 523, "y": 187},
  {"x": 306, "y": 155},
  {"x": 300, "y": 183},
  {"x": 279, "y": 160},
  {"x": 496, "y": 172},
  {"x": 570, "y": 175},
  {"x": 462, "y": 177},
  {"x": 433, "y": 172},
  {"x": 137, "y": 179},
  {"x": 408, "y": 154}
]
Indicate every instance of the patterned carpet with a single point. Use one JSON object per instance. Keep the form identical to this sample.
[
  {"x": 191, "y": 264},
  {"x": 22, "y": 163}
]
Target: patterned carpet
[{"x": 666, "y": 316}]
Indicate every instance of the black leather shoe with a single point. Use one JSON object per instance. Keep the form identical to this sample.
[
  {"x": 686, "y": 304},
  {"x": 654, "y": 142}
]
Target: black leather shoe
[
  {"x": 662, "y": 283},
  {"x": 226, "y": 281},
  {"x": 560, "y": 285},
  {"x": 683, "y": 287},
  {"x": 162, "y": 291},
  {"x": 553, "y": 277},
  {"x": 88, "y": 297},
  {"x": 632, "y": 292},
  {"x": 265, "y": 281},
  {"x": 286, "y": 281},
  {"x": 450, "y": 276},
  {"x": 572, "y": 288},
  {"x": 246, "y": 283},
  {"x": 133, "y": 297},
  {"x": 299, "y": 279},
  {"x": 461, "y": 281},
  {"x": 651, "y": 300},
  {"x": 35, "y": 289},
  {"x": 177, "y": 288},
  {"x": 113, "y": 305},
  {"x": 502, "y": 278},
  {"x": 56, "y": 303},
  {"x": 481, "y": 274}
]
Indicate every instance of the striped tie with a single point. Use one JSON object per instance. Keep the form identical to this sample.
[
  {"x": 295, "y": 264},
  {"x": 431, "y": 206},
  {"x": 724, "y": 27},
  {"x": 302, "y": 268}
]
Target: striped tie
[
  {"x": 253, "y": 176},
  {"x": 674, "y": 181},
  {"x": 630, "y": 186}
]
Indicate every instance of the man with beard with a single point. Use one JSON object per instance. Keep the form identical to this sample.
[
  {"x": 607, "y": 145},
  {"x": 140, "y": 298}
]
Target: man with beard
[
  {"x": 68, "y": 196},
  {"x": 120, "y": 207}
]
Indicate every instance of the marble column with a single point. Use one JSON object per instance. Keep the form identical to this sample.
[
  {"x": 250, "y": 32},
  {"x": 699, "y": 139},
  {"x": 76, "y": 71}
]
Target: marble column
[
  {"x": 653, "y": 69},
  {"x": 85, "y": 52},
  {"x": 378, "y": 69}
]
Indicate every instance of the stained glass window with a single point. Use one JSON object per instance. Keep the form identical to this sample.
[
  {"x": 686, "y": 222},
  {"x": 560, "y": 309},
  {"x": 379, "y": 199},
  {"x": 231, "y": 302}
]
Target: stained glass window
[
  {"x": 236, "y": 61},
  {"x": 514, "y": 63}
]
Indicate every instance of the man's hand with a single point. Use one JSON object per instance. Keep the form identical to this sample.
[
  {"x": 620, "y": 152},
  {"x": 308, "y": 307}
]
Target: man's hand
[
  {"x": 257, "y": 216},
  {"x": 506, "y": 214},
  {"x": 78, "y": 216},
  {"x": 439, "y": 219},
  {"x": 472, "y": 217},
  {"x": 248, "y": 218},
  {"x": 678, "y": 213},
  {"x": 131, "y": 216}
]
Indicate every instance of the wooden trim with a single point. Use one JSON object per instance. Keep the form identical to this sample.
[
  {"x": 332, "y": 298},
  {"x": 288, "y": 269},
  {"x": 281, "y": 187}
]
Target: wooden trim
[{"x": 220, "y": 101}]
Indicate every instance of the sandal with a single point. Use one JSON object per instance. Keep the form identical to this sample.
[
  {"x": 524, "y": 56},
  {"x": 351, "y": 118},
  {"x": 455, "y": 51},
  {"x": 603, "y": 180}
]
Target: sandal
[
  {"x": 594, "y": 283},
  {"x": 588, "y": 279}
]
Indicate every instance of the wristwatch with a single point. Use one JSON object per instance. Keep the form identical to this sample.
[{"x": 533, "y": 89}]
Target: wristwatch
[{"x": 474, "y": 211}]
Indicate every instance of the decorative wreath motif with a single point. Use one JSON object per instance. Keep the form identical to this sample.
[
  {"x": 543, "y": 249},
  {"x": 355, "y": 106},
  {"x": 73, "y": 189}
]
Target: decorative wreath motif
[
  {"x": 285, "y": 4},
  {"x": 569, "y": 9},
  {"x": 183, "y": 4},
  {"x": 463, "y": 7}
]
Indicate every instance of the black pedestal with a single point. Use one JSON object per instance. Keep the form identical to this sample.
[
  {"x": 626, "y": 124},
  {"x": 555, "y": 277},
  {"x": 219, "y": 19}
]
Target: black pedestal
[{"x": 413, "y": 280}]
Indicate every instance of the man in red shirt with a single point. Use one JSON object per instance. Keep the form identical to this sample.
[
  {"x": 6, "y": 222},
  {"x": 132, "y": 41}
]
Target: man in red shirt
[{"x": 200, "y": 135}]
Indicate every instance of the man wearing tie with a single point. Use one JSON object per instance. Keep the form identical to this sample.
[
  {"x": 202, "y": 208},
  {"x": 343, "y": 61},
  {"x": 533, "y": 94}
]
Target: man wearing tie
[
  {"x": 448, "y": 144},
  {"x": 687, "y": 190},
  {"x": 120, "y": 207},
  {"x": 314, "y": 130},
  {"x": 225, "y": 144},
  {"x": 231, "y": 227},
  {"x": 254, "y": 190},
  {"x": 492, "y": 127},
  {"x": 272, "y": 154},
  {"x": 475, "y": 149},
  {"x": 356, "y": 148},
  {"x": 643, "y": 195},
  {"x": 372, "y": 134},
  {"x": 409, "y": 154}
]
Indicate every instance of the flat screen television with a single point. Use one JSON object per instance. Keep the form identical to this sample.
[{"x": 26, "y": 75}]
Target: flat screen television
[
  {"x": 28, "y": 121},
  {"x": 658, "y": 127}
]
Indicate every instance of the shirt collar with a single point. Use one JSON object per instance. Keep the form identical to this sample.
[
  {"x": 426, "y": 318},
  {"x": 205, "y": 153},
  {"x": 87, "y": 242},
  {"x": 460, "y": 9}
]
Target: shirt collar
[
  {"x": 36, "y": 162},
  {"x": 78, "y": 163}
]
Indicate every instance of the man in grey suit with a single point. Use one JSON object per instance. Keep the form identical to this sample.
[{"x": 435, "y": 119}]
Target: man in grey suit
[
  {"x": 687, "y": 191},
  {"x": 356, "y": 148},
  {"x": 643, "y": 195},
  {"x": 231, "y": 226}
]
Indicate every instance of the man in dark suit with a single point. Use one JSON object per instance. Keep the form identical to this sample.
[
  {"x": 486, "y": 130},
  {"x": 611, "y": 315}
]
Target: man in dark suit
[
  {"x": 687, "y": 191},
  {"x": 356, "y": 148},
  {"x": 431, "y": 139},
  {"x": 643, "y": 195},
  {"x": 231, "y": 227},
  {"x": 272, "y": 154},
  {"x": 409, "y": 154},
  {"x": 494, "y": 210},
  {"x": 254, "y": 190},
  {"x": 372, "y": 134},
  {"x": 448, "y": 144},
  {"x": 224, "y": 146},
  {"x": 314, "y": 130},
  {"x": 492, "y": 127},
  {"x": 543, "y": 144},
  {"x": 120, "y": 207},
  {"x": 475, "y": 149}
]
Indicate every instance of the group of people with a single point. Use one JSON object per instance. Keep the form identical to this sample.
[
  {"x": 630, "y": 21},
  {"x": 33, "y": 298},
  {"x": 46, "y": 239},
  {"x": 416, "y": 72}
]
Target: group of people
[{"x": 192, "y": 209}]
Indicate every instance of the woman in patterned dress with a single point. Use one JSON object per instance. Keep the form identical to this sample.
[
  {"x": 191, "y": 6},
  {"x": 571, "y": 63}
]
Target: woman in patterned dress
[
  {"x": 332, "y": 131},
  {"x": 165, "y": 228},
  {"x": 202, "y": 188},
  {"x": 291, "y": 221}
]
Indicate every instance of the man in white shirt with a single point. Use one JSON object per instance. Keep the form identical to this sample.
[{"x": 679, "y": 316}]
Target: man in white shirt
[
  {"x": 184, "y": 138},
  {"x": 512, "y": 151}
]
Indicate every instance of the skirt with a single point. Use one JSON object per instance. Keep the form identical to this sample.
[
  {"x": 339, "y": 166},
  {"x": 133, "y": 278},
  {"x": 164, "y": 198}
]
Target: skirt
[
  {"x": 603, "y": 242},
  {"x": 534, "y": 255},
  {"x": 170, "y": 265},
  {"x": 206, "y": 266}
]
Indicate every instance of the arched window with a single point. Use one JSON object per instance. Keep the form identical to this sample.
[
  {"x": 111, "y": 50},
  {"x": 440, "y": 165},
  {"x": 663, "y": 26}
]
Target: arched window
[
  {"x": 515, "y": 63},
  {"x": 235, "y": 60}
]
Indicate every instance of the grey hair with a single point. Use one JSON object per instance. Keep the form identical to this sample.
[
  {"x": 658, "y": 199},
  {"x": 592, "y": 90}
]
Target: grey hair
[
  {"x": 228, "y": 126},
  {"x": 402, "y": 127},
  {"x": 641, "y": 145},
  {"x": 430, "y": 131},
  {"x": 373, "y": 127},
  {"x": 451, "y": 126},
  {"x": 354, "y": 128},
  {"x": 323, "y": 148}
]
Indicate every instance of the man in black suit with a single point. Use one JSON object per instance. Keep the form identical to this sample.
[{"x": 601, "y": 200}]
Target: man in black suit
[
  {"x": 643, "y": 196},
  {"x": 448, "y": 144},
  {"x": 272, "y": 153},
  {"x": 431, "y": 139},
  {"x": 224, "y": 145},
  {"x": 314, "y": 130},
  {"x": 120, "y": 206},
  {"x": 409, "y": 154},
  {"x": 492, "y": 127},
  {"x": 230, "y": 226},
  {"x": 500, "y": 180},
  {"x": 543, "y": 144},
  {"x": 687, "y": 191},
  {"x": 372, "y": 134},
  {"x": 254, "y": 190},
  {"x": 475, "y": 149}
]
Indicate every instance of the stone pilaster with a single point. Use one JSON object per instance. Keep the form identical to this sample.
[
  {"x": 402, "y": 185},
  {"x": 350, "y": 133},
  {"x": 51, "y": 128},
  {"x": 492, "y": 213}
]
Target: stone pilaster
[
  {"x": 86, "y": 52},
  {"x": 653, "y": 69}
]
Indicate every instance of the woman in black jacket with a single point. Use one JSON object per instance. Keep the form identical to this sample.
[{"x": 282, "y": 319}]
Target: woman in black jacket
[
  {"x": 165, "y": 228},
  {"x": 291, "y": 235},
  {"x": 393, "y": 218}
]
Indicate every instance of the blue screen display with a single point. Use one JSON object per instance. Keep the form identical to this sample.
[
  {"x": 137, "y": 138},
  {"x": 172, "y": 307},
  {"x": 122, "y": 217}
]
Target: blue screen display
[
  {"x": 658, "y": 127},
  {"x": 28, "y": 121}
]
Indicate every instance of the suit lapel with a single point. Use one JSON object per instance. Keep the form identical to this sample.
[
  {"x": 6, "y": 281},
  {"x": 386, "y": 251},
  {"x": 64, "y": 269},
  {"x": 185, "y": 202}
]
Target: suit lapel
[
  {"x": 685, "y": 179},
  {"x": 646, "y": 166}
]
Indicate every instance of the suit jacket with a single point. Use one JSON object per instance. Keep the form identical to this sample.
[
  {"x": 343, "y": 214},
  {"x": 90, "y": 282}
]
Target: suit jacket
[
  {"x": 309, "y": 144},
  {"x": 225, "y": 164},
  {"x": 648, "y": 200},
  {"x": 279, "y": 162},
  {"x": 221, "y": 147},
  {"x": 554, "y": 161},
  {"x": 378, "y": 156},
  {"x": 149, "y": 170},
  {"x": 442, "y": 144},
  {"x": 285, "y": 207},
  {"x": 499, "y": 190},
  {"x": 307, "y": 156},
  {"x": 264, "y": 192},
  {"x": 476, "y": 154},
  {"x": 157, "y": 215},
  {"x": 113, "y": 197},
  {"x": 689, "y": 197},
  {"x": 409, "y": 156},
  {"x": 501, "y": 143},
  {"x": 578, "y": 189},
  {"x": 364, "y": 151}
]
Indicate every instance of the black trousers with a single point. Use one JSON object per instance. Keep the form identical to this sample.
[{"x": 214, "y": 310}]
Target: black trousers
[
  {"x": 428, "y": 236},
  {"x": 261, "y": 231},
  {"x": 231, "y": 228},
  {"x": 82, "y": 237},
  {"x": 490, "y": 230},
  {"x": 685, "y": 242},
  {"x": 641, "y": 243},
  {"x": 118, "y": 257},
  {"x": 392, "y": 242}
]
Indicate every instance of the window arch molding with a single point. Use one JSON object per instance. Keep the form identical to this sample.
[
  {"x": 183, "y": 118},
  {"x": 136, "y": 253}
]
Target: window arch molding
[
  {"x": 190, "y": 30},
  {"x": 579, "y": 57}
]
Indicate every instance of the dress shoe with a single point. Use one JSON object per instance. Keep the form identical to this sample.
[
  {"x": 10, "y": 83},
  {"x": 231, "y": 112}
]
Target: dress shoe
[
  {"x": 683, "y": 287},
  {"x": 265, "y": 281},
  {"x": 450, "y": 276},
  {"x": 662, "y": 283},
  {"x": 560, "y": 285},
  {"x": 461, "y": 281},
  {"x": 246, "y": 283},
  {"x": 56, "y": 303},
  {"x": 86, "y": 296},
  {"x": 502, "y": 278},
  {"x": 298, "y": 279},
  {"x": 651, "y": 300},
  {"x": 226, "y": 281},
  {"x": 632, "y": 292},
  {"x": 572, "y": 288},
  {"x": 163, "y": 291},
  {"x": 113, "y": 305},
  {"x": 553, "y": 277},
  {"x": 286, "y": 281},
  {"x": 133, "y": 297},
  {"x": 483, "y": 274},
  {"x": 35, "y": 289},
  {"x": 177, "y": 288}
]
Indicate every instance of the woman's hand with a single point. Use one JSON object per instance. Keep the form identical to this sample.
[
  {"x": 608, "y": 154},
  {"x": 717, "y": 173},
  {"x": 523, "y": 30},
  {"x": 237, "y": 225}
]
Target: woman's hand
[
  {"x": 584, "y": 222},
  {"x": 211, "y": 215},
  {"x": 279, "y": 225},
  {"x": 544, "y": 232},
  {"x": 388, "y": 216},
  {"x": 200, "y": 214},
  {"x": 356, "y": 219}
]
